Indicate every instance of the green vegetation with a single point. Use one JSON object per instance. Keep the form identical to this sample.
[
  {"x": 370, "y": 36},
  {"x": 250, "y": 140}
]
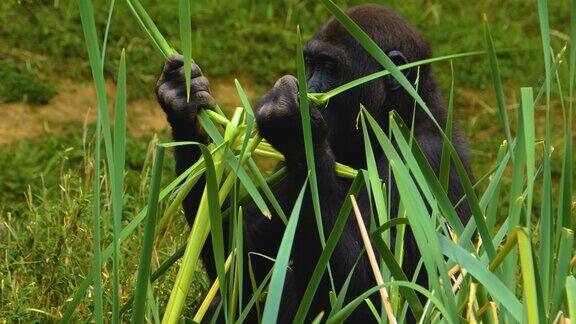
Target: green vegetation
[
  {"x": 47, "y": 201},
  {"x": 23, "y": 84},
  {"x": 255, "y": 39}
]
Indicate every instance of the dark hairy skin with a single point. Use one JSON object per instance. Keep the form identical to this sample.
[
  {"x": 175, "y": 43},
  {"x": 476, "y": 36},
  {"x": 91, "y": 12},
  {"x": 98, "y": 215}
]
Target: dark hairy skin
[{"x": 333, "y": 58}]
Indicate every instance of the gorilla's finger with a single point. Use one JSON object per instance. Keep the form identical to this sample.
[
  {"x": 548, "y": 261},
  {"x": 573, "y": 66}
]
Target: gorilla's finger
[
  {"x": 202, "y": 99},
  {"x": 199, "y": 84},
  {"x": 173, "y": 62},
  {"x": 287, "y": 83},
  {"x": 196, "y": 71}
]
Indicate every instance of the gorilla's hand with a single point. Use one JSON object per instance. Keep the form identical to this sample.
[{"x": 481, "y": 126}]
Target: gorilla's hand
[
  {"x": 279, "y": 121},
  {"x": 171, "y": 94}
]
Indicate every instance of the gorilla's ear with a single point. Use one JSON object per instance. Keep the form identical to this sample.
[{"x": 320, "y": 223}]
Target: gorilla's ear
[{"x": 399, "y": 59}]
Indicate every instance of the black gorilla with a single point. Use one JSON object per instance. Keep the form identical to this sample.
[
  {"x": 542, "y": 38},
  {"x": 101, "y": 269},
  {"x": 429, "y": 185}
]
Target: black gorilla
[{"x": 333, "y": 57}]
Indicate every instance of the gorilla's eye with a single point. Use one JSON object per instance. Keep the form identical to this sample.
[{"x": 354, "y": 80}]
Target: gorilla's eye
[{"x": 308, "y": 61}]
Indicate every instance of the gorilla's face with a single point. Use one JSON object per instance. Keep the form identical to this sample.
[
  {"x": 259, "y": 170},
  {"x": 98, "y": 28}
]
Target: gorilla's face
[
  {"x": 325, "y": 66},
  {"x": 333, "y": 62}
]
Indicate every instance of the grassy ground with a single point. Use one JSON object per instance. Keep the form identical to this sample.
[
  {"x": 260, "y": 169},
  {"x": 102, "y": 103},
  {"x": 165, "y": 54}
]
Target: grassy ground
[{"x": 45, "y": 219}]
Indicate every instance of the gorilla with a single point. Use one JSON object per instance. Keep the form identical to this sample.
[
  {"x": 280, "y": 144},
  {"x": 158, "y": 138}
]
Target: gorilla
[{"x": 333, "y": 57}]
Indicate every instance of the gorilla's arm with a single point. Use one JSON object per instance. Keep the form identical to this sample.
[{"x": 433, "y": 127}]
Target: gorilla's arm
[{"x": 181, "y": 114}]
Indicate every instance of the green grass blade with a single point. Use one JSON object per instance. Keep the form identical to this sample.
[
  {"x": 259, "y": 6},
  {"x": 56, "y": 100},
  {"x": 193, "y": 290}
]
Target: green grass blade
[
  {"x": 491, "y": 197},
  {"x": 547, "y": 232},
  {"x": 571, "y": 295},
  {"x": 342, "y": 294},
  {"x": 107, "y": 30},
  {"x": 321, "y": 98},
  {"x": 216, "y": 231},
  {"x": 97, "y": 259},
  {"x": 567, "y": 177},
  {"x": 497, "y": 82},
  {"x": 266, "y": 189},
  {"x": 276, "y": 286},
  {"x": 118, "y": 178},
  {"x": 152, "y": 304},
  {"x": 413, "y": 153},
  {"x": 92, "y": 44},
  {"x": 562, "y": 269},
  {"x": 444, "y": 175},
  {"x": 150, "y": 28},
  {"x": 143, "y": 277},
  {"x": 94, "y": 56},
  {"x": 255, "y": 296},
  {"x": 375, "y": 182},
  {"x": 515, "y": 199},
  {"x": 196, "y": 240},
  {"x": 186, "y": 40},
  {"x": 533, "y": 307},
  {"x": 249, "y": 115},
  {"x": 250, "y": 122},
  {"x": 527, "y": 112},
  {"x": 308, "y": 145},
  {"x": 239, "y": 245},
  {"x": 157, "y": 274},
  {"x": 333, "y": 238}
]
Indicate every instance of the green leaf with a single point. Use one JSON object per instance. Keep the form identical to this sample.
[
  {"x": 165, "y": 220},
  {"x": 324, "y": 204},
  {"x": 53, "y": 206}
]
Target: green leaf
[
  {"x": 186, "y": 40},
  {"x": 562, "y": 269},
  {"x": 216, "y": 231},
  {"x": 308, "y": 144},
  {"x": 147, "y": 245},
  {"x": 532, "y": 302},
  {"x": 281, "y": 266},
  {"x": 571, "y": 295},
  {"x": 374, "y": 180},
  {"x": 444, "y": 174},
  {"x": 322, "y": 98},
  {"x": 333, "y": 238},
  {"x": 497, "y": 81},
  {"x": 149, "y": 27},
  {"x": 97, "y": 258},
  {"x": 118, "y": 177}
]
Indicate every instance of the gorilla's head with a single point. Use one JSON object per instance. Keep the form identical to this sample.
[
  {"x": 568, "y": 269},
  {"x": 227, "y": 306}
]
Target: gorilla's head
[{"x": 334, "y": 57}]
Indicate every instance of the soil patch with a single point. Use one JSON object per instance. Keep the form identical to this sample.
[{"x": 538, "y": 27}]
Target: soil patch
[{"x": 22, "y": 120}]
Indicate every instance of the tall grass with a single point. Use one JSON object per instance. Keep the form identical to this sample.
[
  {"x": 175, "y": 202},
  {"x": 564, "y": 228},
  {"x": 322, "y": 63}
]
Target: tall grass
[{"x": 473, "y": 269}]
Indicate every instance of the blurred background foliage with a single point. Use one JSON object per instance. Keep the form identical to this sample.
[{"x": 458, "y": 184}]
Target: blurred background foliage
[{"x": 256, "y": 38}]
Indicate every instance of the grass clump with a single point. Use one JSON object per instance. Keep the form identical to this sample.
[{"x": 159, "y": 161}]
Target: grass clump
[{"x": 23, "y": 84}]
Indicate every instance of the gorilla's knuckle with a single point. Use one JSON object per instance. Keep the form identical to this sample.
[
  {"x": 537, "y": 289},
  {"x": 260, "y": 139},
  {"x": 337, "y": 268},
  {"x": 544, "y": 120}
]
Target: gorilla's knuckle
[
  {"x": 173, "y": 62},
  {"x": 287, "y": 82},
  {"x": 203, "y": 99},
  {"x": 200, "y": 83},
  {"x": 196, "y": 71}
]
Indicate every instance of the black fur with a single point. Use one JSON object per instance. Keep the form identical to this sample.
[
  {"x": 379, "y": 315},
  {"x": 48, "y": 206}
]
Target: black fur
[{"x": 333, "y": 57}]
